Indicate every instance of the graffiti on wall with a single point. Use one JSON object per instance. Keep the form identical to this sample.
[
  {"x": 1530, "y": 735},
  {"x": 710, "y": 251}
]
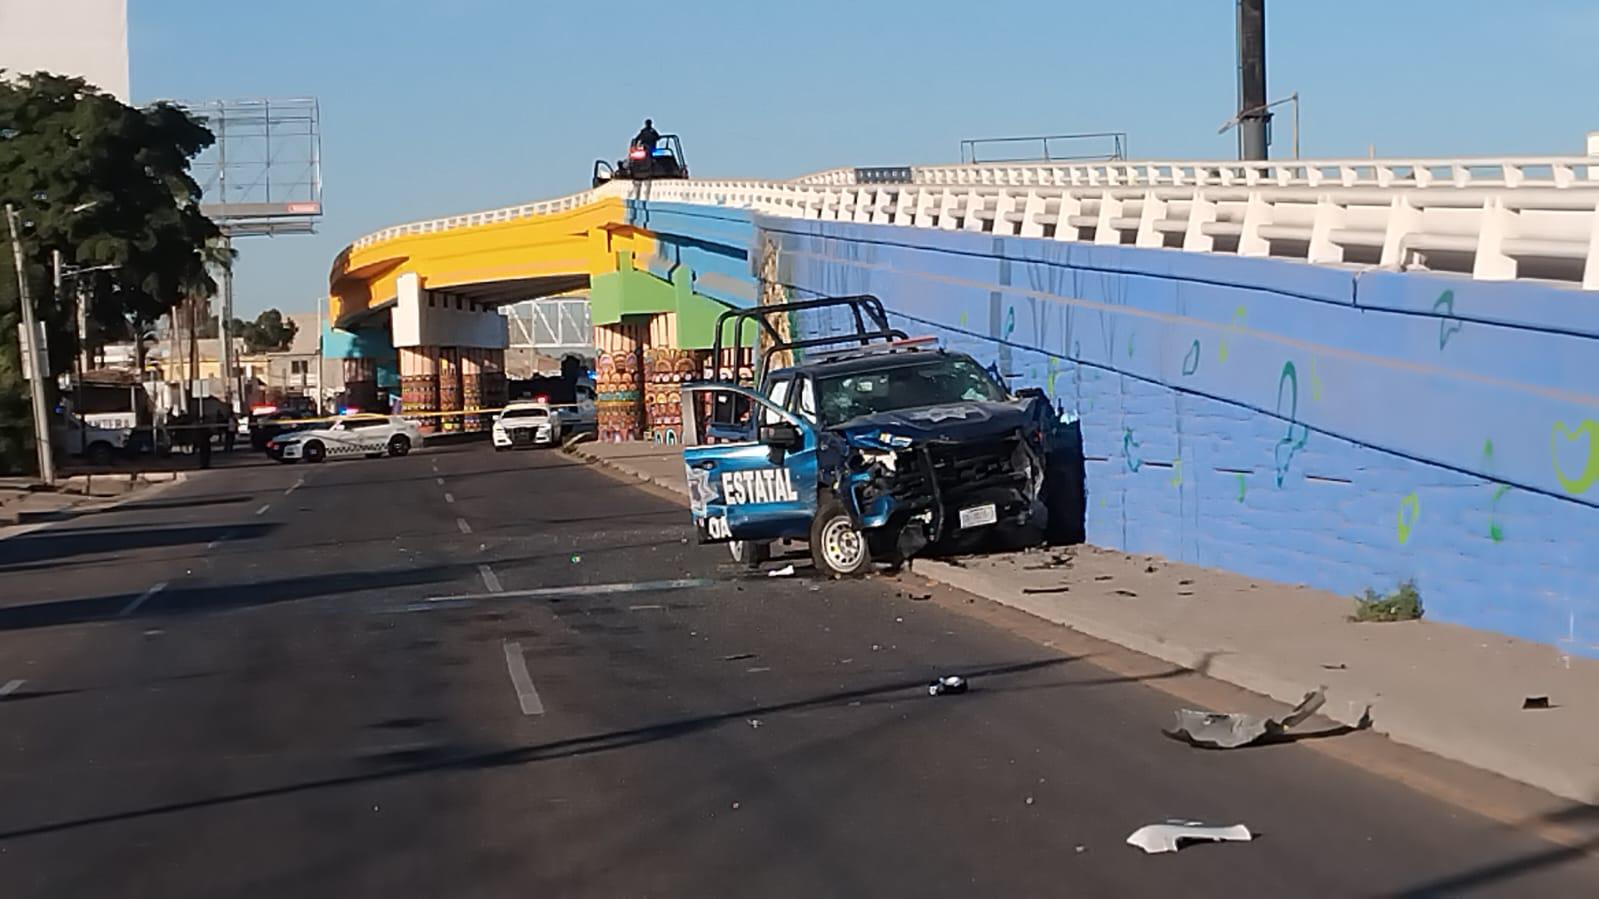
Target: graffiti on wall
[
  {"x": 1288, "y": 407},
  {"x": 1564, "y": 440},
  {"x": 1409, "y": 515},
  {"x": 1448, "y": 325}
]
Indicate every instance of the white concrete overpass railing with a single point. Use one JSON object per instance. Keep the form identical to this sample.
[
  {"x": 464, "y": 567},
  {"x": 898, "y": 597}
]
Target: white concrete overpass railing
[{"x": 1500, "y": 218}]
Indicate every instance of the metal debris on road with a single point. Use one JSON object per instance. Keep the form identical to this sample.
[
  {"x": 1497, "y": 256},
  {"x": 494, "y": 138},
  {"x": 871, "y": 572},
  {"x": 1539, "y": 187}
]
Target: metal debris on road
[
  {"x": 1536, "y": 702},
  {"x": 948, "y": 685},
  {"x": 1174, "y": 835},
  {"x": 1211, "y": 730},
  {"x": 785, "y": 571}
]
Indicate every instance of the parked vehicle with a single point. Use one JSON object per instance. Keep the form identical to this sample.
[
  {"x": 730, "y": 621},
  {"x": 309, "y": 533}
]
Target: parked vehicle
[
  {"x": 873, "y": 451},
  {"x": 349, "y": 435},
  {"x": 525, "y": 424}
]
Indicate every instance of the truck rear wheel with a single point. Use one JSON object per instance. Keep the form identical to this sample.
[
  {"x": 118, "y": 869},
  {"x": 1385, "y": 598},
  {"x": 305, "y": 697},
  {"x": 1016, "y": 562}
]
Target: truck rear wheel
[{"x": 750, "y": 553}]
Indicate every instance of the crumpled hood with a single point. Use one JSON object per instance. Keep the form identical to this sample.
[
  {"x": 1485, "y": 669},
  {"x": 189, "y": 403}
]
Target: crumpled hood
[{"x": 944, "y": 422}]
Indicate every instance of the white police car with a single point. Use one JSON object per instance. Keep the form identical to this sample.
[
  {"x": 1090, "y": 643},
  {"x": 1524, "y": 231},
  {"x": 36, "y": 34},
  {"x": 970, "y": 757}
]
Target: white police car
[
  {"x": 526, "y": 424},
  {"x": 349, "y": 435}
]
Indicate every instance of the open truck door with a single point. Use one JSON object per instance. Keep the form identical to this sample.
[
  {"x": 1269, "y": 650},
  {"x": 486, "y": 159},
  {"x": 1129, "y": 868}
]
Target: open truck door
[{"x": 750, "y": 464}]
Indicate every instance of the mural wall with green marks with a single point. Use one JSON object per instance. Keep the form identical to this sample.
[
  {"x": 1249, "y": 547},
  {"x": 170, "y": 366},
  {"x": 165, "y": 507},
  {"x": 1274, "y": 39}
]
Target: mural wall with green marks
[{"x": 1301, "y": 423}]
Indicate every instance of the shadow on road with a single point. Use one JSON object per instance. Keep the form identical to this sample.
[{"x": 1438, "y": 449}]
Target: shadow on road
[
  {"x": 55, "y": 545},
  {"x": 540, "y": 752},
  {"x": 223, "y": 597}
]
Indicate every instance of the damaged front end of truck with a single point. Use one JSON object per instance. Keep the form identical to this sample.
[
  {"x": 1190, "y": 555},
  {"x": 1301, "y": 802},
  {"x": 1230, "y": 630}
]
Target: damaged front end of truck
[{"x": 952, "y": 477}]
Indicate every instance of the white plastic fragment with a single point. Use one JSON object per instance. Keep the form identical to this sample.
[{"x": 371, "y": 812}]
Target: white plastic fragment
[
  {"x": 1173, "y": 835},
  {"x": 785, "y": 571}
]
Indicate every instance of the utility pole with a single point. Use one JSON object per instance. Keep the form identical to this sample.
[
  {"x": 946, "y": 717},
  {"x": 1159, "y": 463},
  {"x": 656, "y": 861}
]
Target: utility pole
[
  {"x": 321, "y": 304},
  {"x": 224, "y": 318},
  {"x": 32, "y": 364},
  {"x": 1253, "y": 116}
]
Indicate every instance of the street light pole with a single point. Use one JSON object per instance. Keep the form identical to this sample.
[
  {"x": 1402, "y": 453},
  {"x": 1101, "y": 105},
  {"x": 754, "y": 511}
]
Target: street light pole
[
  {"x": 41, "y": 416},
  {"x": 1266, "y": 107}
]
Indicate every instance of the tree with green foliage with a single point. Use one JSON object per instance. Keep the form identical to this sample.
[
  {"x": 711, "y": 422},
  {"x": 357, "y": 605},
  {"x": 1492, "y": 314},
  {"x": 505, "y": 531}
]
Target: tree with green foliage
[
  {"x": 269, "y": 333},
  {"x": 103, "y": 183}
]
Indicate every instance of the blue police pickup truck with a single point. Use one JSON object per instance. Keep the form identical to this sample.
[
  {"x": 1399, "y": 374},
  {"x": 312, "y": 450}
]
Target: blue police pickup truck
[{"x": 871, "y": 446}]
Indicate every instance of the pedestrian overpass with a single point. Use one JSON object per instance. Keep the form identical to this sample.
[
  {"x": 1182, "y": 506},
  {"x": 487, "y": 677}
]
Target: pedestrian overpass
[{"x": 1342, "y": 372}]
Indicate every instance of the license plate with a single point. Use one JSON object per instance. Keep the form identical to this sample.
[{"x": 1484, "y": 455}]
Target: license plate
[{"x": 977, "y": 516}]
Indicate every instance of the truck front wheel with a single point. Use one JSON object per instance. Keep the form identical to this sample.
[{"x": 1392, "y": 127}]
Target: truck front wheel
[
  {"x": 837, "y": 547},
  {"x": 99, "y": 454}
]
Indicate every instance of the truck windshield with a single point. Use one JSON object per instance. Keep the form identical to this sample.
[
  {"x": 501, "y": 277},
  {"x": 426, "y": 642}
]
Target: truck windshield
[{"x": 944, "y": 379}]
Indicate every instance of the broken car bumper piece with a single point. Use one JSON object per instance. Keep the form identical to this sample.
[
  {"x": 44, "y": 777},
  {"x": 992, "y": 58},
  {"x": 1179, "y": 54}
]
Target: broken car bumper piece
[
  {"x": 1174, "y": 835},
  {"x": 1216, "y": 730}
]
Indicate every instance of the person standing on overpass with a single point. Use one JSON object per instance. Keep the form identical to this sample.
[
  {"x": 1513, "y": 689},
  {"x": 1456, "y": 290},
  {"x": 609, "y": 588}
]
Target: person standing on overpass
[{"x": 647, "y": 137}]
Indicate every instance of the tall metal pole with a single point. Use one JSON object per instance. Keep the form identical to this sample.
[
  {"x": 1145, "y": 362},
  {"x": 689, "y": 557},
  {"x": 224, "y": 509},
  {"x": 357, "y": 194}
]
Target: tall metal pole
[
  {"x": 1252, "y": 79},
  {"x": 321, "y": 304},
  {"x": 32, "y": 364},
  {"x": 224, "y": 317}
]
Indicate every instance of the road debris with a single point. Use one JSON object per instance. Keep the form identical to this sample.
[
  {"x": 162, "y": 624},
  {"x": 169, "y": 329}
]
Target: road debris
[
  {"x": 754, "y": 722},
  {"x": 1101, "y": 577},
  {"x": 948, "y": 685},
  {"x": 785, "y": 571},
  {"x": 1175, "y": 834},
  {"x": 1338, "y": 667},
  {"x": 1121, "y": 592},
  {"x": 1037, "y": 590},
  {"x": 1536, "y": 702},
  {"x": 738, "y": 657},
  {"x": 1211, "y": 730},
  {"x": 1185, "y": 582},
  {"x": 576, "y": 558}
]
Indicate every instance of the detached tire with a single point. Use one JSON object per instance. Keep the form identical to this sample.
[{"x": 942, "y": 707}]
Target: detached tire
[
  {"x": 399, "y": 445},
  {"x": 837, "y": 548},
  {"x": 314, "y": 452}
]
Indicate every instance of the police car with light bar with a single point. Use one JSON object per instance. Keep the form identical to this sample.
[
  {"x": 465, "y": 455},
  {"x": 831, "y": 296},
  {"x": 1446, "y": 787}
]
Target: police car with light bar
[{"x": 349, "y": 435}]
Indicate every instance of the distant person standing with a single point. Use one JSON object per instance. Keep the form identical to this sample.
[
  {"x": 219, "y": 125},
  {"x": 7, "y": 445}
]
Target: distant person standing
[{"x": 647, "y": 137}]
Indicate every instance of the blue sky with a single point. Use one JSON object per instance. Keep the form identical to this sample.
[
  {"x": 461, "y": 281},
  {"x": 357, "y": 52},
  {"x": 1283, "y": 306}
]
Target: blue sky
[{"x": 431, "y": 107}]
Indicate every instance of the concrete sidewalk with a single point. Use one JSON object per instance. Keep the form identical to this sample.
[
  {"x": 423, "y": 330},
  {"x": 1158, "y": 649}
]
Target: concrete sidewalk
[
  {"x": 1452, "y": 691},
  {"x": 25, "y": 505}
]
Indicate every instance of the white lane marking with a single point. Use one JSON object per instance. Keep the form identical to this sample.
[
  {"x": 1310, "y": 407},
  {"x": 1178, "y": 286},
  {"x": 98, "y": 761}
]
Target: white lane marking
[
  {"x": 526, "y": 696},
  {"x": 293, "y": 487},
  {"x": 11, "y": 686},
  {"x": 490, "y": 579},
  {"x": 262, "y": 510},
  {"x": 138, "y": 601},
  {"x": 642, "y": 607},
  {"x": 582, "y": 590},
  {"x": 461, "y": 523},
  {"x": 449, "y": 497},
  {"x": 439, "y": 481}
]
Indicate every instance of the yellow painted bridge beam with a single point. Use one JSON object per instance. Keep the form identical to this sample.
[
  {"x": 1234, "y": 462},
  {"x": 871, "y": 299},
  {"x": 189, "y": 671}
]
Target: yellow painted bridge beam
[{"x": 583, "y": 241}]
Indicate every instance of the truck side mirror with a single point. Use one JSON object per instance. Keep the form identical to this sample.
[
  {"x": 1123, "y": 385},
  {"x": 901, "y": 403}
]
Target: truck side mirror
[{"x": 782, "y": 436}]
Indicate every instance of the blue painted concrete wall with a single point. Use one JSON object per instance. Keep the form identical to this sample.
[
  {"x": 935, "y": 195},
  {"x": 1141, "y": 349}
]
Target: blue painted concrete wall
[{"x": 1299, "y": 423}]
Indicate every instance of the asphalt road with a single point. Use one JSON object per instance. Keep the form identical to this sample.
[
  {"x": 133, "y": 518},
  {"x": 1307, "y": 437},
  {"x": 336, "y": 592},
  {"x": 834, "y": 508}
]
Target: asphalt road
[{"x": 334, "y": 681}]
